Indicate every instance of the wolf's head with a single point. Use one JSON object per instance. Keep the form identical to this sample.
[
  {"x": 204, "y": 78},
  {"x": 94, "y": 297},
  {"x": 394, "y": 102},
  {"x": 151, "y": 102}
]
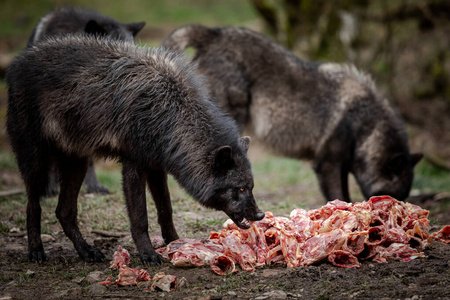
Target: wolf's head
[
  {"x": 383, "y": 164},
  {"x": 113, "y": 29},
  {"x": 233, "y": 184},
  {"x": 76, "y": 20}
]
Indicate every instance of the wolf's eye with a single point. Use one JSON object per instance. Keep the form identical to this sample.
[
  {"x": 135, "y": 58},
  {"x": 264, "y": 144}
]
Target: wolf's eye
[{"x": 242, "y": 189}]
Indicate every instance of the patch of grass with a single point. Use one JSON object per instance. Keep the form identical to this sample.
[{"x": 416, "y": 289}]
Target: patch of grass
[
  {"x": 161, "y": 12},
  {"x": 231, "y": 282},
  {"x": 7, "y": 161},
  {"x": 429, "y": 178},
  {"x": 325, "y": 284},
  {"x": 275, "y": 172},
  {"x": 204, "y": 225},
  {"x": 104, "y": 212},
  {"x": 323, "y": 297},
  {"x": 4, "y": 228},
  {"x": 111, "y": 179},
  {"x": 24, "y": 278}
]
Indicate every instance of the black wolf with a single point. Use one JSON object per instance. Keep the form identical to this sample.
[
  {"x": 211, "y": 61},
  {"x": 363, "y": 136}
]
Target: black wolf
[
  {"x": 330, "y": 113},
  {"x": 73, "y": 20},
  {"x": 78, "y": 97}
]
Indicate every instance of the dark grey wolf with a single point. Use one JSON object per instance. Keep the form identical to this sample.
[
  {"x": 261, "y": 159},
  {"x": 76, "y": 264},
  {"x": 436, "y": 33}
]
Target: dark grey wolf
[
  {"x": 74, "y": 20},
  {"x": 330, "y": 113},
  {"x": 78, "y": 97}
]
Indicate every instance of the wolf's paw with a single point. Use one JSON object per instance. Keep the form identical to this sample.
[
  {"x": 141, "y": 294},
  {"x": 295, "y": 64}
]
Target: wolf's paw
[
  {"x": 97, "y": 189},
  {"x": 92, "y": 255},
  {"x": 37, "y": 255},
  {"x": 151, "y": 259}
]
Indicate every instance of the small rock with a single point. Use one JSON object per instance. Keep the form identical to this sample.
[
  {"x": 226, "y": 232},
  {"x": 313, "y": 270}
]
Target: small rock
[
  {"x": 29, "y": 273},
  {"x": 15, "y": 247},
  {"x": 232, "y": 293},
  {"x": 182, "y": 282},
  {"x": 9, "y": 285},
  {"x": 14, "y": 230},
  {"x": 270, "y": 273},
  {"x": 78, "y": 279},
  {"x": 97, "y": 289},
  {"x": 47, "y": 238},
  {"x": 277, "y": 294},
  {"x": 210, "y": 286},
  {"x": 95, "y": 277},
  {"x": 5, "y": 297},
  {"x": 61, "y": 294}
]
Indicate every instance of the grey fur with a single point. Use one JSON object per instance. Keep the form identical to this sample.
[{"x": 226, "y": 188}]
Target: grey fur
[{"x": 332, "y": 114}]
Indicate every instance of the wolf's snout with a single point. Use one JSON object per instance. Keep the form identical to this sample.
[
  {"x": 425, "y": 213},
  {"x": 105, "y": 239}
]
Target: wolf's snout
[
  {"x": 256, "y": 216},
  {"x": 259, "y": 215}
]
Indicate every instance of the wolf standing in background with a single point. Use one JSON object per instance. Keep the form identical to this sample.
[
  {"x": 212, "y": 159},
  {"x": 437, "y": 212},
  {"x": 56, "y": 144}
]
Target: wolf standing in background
[
  {"x": 330, "y": 113},
  {"x": 70, "y": 20},
  {"x": 78, "y": 97}
]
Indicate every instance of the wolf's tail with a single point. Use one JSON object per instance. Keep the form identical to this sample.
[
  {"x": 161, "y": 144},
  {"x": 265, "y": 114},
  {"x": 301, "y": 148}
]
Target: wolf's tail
[{"x": 189, "y": 36}]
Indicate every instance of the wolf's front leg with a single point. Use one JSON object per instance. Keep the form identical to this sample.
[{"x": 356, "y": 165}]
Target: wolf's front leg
[
  {"x": 333, "y": 179},
  {"x": 157, "y": 182},
  {"x": 134, "y": 191}
]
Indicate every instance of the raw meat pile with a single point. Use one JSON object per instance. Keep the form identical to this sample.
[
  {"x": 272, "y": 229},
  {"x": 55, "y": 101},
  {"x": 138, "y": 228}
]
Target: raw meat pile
[
  {"x": 379, "y": 229},
  {"x": 131, "y": 276}
]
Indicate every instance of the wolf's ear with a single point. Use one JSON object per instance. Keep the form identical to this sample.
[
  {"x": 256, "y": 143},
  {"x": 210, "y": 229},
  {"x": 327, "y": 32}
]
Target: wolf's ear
[
  {"x": 92, "y": 27},
  {"x": 222, "y": 158},
  {"x": 415, "y": 158},
  {"x": 245, "y": 142},
  {"x": 134, "y": 28}
]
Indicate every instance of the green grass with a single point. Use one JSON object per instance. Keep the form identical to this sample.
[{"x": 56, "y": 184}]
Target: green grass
[
  {"x": 232, "y": 282},
  {"x": 111, "y": 179},
  {"x": 429, "y": 178},
  {"x": 7, "y": 161}
]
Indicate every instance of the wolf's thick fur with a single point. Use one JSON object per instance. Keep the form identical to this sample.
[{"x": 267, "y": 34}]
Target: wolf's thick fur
[
  {"x": 78, "y": 97},
  {"x": 74, "y": 20},
  {"x": 330, "y": 113}
]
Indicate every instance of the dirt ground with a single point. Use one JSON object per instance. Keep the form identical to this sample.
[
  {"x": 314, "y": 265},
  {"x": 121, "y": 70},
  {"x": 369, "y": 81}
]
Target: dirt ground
[{"x": 66, "y": 276}]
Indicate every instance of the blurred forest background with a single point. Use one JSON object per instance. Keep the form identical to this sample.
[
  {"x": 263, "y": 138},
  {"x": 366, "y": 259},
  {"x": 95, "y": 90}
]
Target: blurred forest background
[{"x": 403, "y": 44}]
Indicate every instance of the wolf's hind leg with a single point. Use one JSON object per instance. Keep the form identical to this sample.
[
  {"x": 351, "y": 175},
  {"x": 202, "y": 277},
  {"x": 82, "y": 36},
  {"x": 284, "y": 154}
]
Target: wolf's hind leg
[
  {"x": 72, "y": 171},
  {"x": 34, "y": 164},
  {"x": 91, "y": 181}
]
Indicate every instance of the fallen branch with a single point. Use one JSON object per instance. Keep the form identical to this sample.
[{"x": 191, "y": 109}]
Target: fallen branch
[
  {"x": 11, "y": 193},
  {"x": 441, "y": 196}
]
